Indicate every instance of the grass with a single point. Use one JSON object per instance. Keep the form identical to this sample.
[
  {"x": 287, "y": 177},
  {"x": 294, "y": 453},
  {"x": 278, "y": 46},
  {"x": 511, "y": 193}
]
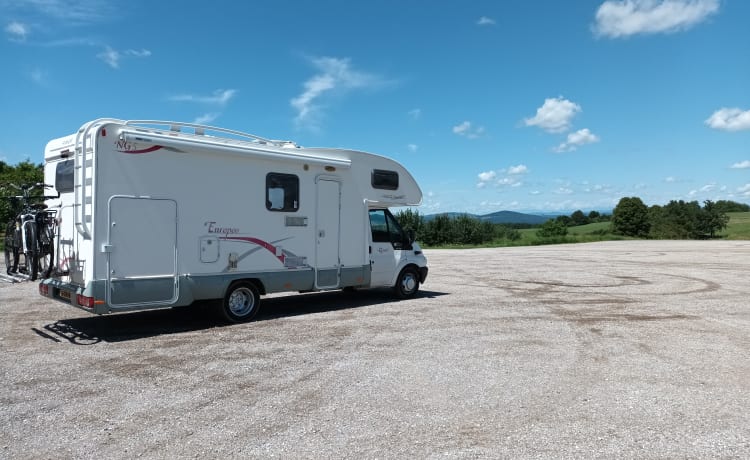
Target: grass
[{"x": 738, "y": 227}]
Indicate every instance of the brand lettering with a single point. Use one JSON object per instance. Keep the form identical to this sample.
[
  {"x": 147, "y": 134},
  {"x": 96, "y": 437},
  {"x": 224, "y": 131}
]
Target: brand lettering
[
  {"x": 125, "y": 146},
  {"x": 213, "y": 228}
]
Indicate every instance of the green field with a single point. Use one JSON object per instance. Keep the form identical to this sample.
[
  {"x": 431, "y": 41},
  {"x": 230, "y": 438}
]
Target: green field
[{"x": 738, "y": 228}]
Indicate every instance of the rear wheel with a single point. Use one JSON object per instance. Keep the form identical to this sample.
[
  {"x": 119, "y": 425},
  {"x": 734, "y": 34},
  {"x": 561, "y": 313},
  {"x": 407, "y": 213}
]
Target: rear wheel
[
  {"x": 31, "y": 251},
  {"x": 11, "y": 250},
  {"x": 46, "y": 252},
  {"x": 241, "y": 302},
  {"x": 407, "y": 283}
]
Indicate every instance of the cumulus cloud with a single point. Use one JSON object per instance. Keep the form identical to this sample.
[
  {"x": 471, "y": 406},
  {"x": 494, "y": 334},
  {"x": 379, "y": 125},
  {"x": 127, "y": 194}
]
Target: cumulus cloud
[
  {"x": 485, "y": 21},
  {"x": 577, "y": 139},
  {"x": 520, "y": 169},
  {"x": 334, "y": 76},
  {"x": 220, "y": 97},
  {"x": 729, "y": 119},
  {"x": 467, "y": 130},
  {"x": 555, "y": 115},
  {"x": 741, "y": 165},
  {"x": 623, "y": 18},
  {"x": 17, "y": 31},
  {"x": 502, "y": 178},
  {"x": 744, "y": 190}
]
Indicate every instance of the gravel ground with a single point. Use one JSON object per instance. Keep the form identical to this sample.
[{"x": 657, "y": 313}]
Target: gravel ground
[{"x": 615, "y": 349}]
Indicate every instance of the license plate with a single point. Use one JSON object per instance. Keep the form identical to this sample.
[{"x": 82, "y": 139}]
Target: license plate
[{"x": 64, "y": 294}]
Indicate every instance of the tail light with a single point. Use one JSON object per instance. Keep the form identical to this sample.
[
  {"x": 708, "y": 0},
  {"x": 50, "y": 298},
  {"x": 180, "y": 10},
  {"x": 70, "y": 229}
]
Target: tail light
[{"x": 44, "y": 289}]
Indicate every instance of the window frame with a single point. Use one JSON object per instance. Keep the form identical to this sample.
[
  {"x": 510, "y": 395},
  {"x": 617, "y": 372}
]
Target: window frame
[{"x": 289, "y": 183}]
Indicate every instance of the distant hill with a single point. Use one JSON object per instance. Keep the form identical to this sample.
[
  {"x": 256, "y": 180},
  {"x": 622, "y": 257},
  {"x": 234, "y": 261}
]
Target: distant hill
[{"x": 500, "y": 217}]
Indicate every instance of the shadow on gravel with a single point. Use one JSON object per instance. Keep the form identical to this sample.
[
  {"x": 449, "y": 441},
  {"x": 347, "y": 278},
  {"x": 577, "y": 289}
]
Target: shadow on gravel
[{"x": 200, "y": 316}]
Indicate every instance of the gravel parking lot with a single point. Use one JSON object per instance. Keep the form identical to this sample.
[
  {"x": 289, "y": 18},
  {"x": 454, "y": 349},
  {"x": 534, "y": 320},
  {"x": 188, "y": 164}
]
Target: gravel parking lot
[{"x": 614, "y": 349}]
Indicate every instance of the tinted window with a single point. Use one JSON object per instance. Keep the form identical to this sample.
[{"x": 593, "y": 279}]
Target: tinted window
[
  {"x": 282, "y": 192},
  {"x": 387, "y": 180},
  {"x": 65, "y": 176}
]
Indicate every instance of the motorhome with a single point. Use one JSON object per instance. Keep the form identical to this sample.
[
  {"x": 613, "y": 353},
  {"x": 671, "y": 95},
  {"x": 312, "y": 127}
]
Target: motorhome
[{"x": 156, "y": 214}]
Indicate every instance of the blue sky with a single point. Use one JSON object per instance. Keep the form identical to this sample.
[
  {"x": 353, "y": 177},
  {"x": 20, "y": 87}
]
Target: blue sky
[{"x": 533, "y": 106}]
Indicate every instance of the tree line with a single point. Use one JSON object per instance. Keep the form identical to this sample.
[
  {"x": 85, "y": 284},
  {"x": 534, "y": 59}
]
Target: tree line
[
  {"x": 25, "y": 172},
  {"x": 675, "y": 220}
]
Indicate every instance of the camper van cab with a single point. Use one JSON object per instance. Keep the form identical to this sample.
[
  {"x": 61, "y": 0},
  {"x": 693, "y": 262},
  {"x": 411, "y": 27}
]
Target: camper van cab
[{"x": 156, "y": 214}]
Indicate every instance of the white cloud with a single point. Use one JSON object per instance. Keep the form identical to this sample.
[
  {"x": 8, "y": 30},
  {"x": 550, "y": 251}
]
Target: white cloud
[
  {"x": 75, "y": 11},
  {"x": 334, "y": 75},
  {"x": 729, "y": 119},
  {"x": 465, "y": 129},
  {"x": 577, "y": 139},
  {"x": 415, "y": 113},
  {"x": 631, "y": 17},
  {"x": 206, "y": 118},
  {"x": 744, "y": 190},
  {"x": 708, "y": 188},
  {"x": 520, "y": 169},
  {"x": 670, "y": 179},
  {"x": 112, "y": 57},
  {"x": 412, "y": 147},
  {"x": 17, "y": 31},
  {"x": 138, "y": 53},
  {"x": 220, "y": 97},
  {"x": 741, "y": 165},
  {"x": 487, "y": 176},
  {"x": 555, "y": 115},
  {"x": 485, "y": 21},
  {"x": 563, "y": 191}
]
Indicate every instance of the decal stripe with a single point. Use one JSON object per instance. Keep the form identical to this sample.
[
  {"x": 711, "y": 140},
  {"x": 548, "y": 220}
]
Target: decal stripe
[
  {"x": 136, "y": 152},
  {"x": 264, "y": 244}
]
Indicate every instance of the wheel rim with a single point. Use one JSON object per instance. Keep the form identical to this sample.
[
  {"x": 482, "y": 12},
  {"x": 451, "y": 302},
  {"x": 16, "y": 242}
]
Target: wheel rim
[
  {"x": 241, "y": 302},
  {"x": 408, "y": 283}
]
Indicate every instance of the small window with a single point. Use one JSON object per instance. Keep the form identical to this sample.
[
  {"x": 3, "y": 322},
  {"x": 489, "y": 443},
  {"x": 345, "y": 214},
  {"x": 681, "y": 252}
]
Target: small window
[
  {"x": 65, "y": 176},
  {"x": 282, "y": 192},
  {"x": 386, "y": 180}
]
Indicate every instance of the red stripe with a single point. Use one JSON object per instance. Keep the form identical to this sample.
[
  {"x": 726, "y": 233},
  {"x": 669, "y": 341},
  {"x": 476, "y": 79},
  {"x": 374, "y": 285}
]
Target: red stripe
[
  {"x": 268, "y": 246},
  {"x": 135, "y": 152}
]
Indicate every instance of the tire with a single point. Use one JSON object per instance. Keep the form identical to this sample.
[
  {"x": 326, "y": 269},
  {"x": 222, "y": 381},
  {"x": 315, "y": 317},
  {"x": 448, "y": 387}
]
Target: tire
[
  {"x": 11, "y": 250},
  {"x": 407, "y": 283},
  {"x": 31, "y": 251},
  {"x": 241, "y": 302},
  {"x": 46, "y": 252}
]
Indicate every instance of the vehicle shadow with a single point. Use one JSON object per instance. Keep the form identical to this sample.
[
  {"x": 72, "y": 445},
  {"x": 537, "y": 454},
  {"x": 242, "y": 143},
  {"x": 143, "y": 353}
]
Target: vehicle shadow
[{"x": 122, "y": 327}]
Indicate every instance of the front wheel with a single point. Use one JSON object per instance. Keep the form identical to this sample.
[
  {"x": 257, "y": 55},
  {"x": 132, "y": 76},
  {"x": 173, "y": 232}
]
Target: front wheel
[
  {"x": 407, "y": 283},
  {"x": 241, "y": 302}
]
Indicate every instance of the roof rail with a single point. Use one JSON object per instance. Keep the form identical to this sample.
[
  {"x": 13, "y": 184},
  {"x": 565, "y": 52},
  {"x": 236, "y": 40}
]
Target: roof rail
[{"x": 200, "y": 130}]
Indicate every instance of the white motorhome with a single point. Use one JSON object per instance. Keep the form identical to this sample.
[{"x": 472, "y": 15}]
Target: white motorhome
[{"x": 156, "y": 214}]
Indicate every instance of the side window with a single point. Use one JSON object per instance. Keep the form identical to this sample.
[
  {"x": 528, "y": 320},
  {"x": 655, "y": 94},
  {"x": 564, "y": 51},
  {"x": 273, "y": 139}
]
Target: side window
[
  {"x": 64, "y": 176},
  {"x": 383, "y": 179},
  {"x": 379, "y": 226},
  {"x": 385, "y": 229},
  {"x": 282, "y": 192}
]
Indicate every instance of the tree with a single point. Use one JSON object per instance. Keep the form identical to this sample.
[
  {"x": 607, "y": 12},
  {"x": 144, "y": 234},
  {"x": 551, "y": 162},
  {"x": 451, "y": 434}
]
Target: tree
[
  {"x": 579, "y": 218},
  {"x": 25, "y": 172},
  {"x": 552, "y": 228},
  {"x": 630, "y": 218},
  {"x": 712, "y": 219},
  {"x": 594, "y": 216}
]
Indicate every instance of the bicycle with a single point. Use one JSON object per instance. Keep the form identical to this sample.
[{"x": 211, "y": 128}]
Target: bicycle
[{"x": 30, "y": 234}]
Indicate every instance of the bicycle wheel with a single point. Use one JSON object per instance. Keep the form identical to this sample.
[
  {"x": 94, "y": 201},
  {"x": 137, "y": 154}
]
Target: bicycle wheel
[
  {"x": 31, "y": 251},
  {"x": 46, "y": 252},
  {"x": 11, "y": 250}
]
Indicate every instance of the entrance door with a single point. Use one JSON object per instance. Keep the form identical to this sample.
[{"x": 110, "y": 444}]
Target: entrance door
[
  {"x": 327, "y": 226},
  {"x": 142, "y": 268}
]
